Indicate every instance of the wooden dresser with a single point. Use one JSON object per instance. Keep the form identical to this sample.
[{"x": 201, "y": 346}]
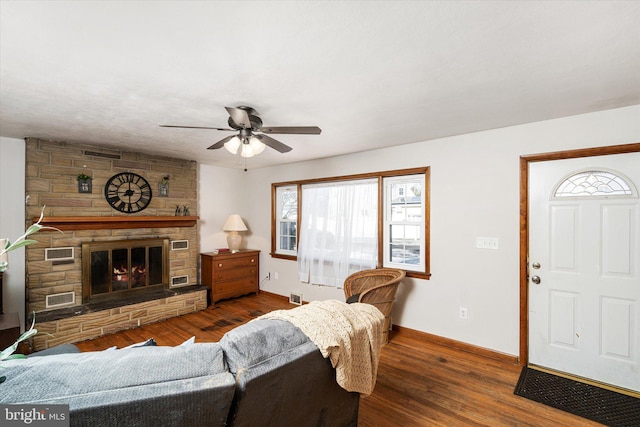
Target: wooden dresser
[{"x": 230, "y": 275}]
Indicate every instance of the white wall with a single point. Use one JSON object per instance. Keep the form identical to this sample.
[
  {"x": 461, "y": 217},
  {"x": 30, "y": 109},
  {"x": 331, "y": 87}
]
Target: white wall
[
  {"x": 12, "y": 220},
  {"x": 221, "y": 193},
  {"x": 474, "y": 192}
]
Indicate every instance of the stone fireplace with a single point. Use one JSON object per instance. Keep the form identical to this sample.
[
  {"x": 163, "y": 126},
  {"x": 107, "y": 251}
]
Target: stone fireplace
[{"x": 129, "y": 289}]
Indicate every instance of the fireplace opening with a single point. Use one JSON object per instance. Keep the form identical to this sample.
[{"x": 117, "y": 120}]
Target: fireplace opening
[{"x": 112, "y": 270}]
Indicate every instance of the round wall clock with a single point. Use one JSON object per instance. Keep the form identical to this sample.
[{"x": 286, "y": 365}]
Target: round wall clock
[{"x": 127, "y": 192}]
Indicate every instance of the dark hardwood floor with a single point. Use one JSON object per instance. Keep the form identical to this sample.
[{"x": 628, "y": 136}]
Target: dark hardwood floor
[{"x": 419, "y": 383}]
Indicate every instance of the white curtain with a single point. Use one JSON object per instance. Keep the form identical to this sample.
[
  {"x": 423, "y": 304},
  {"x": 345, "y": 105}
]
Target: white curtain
[{"x": 338, "y": 231}]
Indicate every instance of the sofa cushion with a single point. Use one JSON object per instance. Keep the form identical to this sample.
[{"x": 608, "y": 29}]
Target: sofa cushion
[
  {"x": 59, "y": 349},
  {"x": 37, "y": 378},
  {"x": 260, "y": 340}
]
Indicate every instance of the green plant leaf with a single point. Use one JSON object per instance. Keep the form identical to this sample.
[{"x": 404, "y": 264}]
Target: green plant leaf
[
  {"x": 16, "y": 356},
  {"x": 21, "y": 244},
  {"x": 7, "y": 352},
  {"x": 33, "y": 229}
]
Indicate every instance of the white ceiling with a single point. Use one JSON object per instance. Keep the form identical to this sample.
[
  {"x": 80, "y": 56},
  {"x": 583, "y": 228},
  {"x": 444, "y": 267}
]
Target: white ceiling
[{"x": 370, "y": 74}]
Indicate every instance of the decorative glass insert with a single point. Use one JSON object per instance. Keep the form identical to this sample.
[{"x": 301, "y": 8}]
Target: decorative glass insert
[{"x": 594, "y": 183}]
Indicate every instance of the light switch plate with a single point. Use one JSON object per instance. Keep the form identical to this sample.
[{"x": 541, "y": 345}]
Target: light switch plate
[{"x": 487, "y": 243}]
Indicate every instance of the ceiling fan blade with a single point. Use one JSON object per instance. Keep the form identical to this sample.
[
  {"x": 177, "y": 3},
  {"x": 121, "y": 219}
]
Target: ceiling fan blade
[
  {"x": 221, "y": 143},
  {"x": 301, "y": 130},
  {"x": 273, "y": 143},
  {"x": 194, "y": 127},
  {"x": 239, "y": 116}
]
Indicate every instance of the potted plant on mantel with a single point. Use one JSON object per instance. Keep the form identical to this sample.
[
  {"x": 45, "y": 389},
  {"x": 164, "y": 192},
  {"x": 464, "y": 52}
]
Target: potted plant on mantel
[{"x": 84, "y": 183}]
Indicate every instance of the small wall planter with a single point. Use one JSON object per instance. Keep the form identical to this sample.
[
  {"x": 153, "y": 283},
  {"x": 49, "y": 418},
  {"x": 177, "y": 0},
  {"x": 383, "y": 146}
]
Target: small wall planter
[
  {"x": 163, "y": 190},
  {"x": 163, "y": 187},
  {"x": 85, "y": 186}
]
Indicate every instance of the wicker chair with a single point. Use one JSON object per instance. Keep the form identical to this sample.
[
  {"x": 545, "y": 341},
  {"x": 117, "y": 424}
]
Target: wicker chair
[{"x": 376, "y": 287}]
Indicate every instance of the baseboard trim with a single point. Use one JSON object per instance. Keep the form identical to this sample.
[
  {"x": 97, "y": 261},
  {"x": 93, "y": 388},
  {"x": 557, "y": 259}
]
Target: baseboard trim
[
  {"x": 457, "y": 345},
  {"x": 435, "y": 339}
]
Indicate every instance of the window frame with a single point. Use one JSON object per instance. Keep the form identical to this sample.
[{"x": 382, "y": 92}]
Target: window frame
[
  {"x": 423, "y": 274},
  {"x": 275, "y": 205},
  {"x": 388, "y": 222},
  {"x": 278, "y": 220}
]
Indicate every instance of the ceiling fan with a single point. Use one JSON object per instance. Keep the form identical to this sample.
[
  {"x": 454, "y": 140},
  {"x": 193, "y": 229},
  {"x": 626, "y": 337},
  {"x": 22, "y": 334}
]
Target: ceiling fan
[{"x": 251, "y": 132}]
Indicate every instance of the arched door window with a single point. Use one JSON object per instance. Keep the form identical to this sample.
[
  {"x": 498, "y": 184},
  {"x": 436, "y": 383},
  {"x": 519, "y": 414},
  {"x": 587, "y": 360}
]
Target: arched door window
[{"x": 595, "y": 183}]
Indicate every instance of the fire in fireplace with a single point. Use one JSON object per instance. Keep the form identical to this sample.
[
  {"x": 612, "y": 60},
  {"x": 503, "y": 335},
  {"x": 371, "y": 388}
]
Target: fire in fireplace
[{"x": 114, "y": 269}]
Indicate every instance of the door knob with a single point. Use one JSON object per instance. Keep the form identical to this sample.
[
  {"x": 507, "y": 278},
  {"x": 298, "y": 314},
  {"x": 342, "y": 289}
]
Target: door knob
[
  {"x": 536, "y": 265},
  {"x": 536, "y": 280}
]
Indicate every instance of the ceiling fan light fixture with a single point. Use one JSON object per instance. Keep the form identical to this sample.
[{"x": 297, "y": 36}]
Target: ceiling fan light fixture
[
  {"x": 232, "y": 145},
  {"x": 256, "y": 145},
  {"x": 247, "y": 151}
]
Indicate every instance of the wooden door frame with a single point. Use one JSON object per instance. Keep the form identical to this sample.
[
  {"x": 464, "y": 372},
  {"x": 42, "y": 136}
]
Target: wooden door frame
[{"x": 524, "y": 223}]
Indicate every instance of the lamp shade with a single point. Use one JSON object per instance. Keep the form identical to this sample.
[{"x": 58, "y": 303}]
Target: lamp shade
[
  {"x": 234, "y": 223},
  {"x": 232, "y": 145}
]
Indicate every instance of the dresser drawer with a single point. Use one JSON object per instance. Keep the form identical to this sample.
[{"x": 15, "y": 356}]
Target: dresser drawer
[
  {"x": 230, "y": 274},
  {"x": 234, "y": 263},
  {"x": 233, "y": 288}
]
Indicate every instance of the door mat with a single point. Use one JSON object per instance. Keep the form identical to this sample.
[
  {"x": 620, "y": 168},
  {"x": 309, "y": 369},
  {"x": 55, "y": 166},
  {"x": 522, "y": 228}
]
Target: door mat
[{"x": 585, "y": 400}]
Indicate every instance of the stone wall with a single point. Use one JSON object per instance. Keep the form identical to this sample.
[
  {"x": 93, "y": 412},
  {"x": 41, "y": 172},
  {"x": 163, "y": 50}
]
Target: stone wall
[
  {"x": 51, "y": 180},
  {"x": 91, "y": 325}
]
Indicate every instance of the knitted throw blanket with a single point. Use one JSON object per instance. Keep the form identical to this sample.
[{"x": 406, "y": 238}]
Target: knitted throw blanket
[{"x": 350, "y": 335}]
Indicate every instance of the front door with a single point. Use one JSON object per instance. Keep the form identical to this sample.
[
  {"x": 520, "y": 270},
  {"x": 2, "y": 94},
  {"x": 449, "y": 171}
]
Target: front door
[{"x": 584, "y": 267}]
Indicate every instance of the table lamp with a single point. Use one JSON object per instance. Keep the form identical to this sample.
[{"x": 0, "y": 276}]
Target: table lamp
[{"x": 234, "y": 224}]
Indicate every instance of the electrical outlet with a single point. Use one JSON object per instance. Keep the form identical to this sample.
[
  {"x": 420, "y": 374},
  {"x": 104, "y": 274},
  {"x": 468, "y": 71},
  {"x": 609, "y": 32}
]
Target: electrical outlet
[
  {"x": 463, "y": 313},
  {"x": 269, "y": 276},
  {"x": 275, "y": 275}
]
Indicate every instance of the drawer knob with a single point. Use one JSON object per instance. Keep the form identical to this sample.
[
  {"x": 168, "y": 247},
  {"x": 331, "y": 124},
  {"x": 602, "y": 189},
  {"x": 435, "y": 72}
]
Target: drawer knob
[{"x": 220, "y": 264}]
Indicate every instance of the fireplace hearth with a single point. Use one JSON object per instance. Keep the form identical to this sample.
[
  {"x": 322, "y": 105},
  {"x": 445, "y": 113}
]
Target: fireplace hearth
[{"x": 119, "y": 269}]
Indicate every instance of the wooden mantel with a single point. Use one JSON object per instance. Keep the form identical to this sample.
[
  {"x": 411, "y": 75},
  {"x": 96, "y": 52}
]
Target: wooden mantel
[{"x": 66, "y": 223}]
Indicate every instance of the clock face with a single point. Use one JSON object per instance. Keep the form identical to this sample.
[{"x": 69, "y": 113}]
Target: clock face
[{"x": 127, "y": 192}]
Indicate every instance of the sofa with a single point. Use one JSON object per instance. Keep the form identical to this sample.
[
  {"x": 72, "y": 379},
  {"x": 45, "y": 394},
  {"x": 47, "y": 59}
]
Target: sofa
[{"x": 263, "y": 373}]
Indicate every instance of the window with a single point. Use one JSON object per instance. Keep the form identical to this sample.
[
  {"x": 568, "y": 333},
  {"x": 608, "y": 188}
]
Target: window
[
  {"x": 400, "y": 221},
  {"x": 593, "y": 183},
  {"x": 404, "y": 224},
  {"x": 338, "y": 230},
  {"x": 286, "y": 224}
]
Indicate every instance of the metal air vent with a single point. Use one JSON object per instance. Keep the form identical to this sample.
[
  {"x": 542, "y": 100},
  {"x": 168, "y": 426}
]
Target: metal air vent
[
  {"x": 177, "y": 245},
  {"x": 179, "y": 281},
  {"x": 295, "y": 298},
  {"x": 57, "y": 300},
  {"x": 58, "y": 254}
]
